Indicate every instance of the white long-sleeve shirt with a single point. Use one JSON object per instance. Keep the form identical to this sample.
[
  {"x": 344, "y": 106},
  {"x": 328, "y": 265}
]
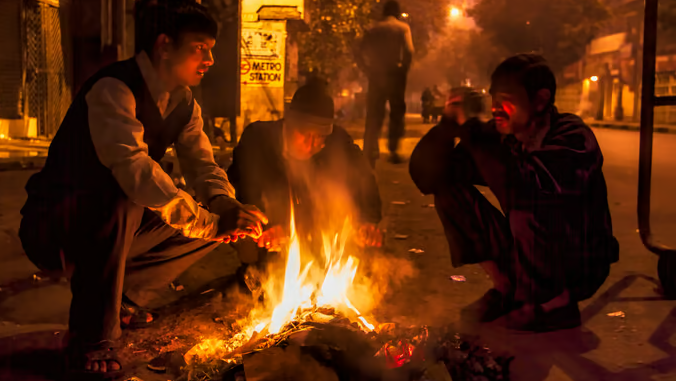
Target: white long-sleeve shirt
[{"x": 117, "y": 136}]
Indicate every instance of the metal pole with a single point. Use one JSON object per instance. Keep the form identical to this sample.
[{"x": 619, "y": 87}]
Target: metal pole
[
  {"x": 646, "y": 130},
  {"x": 237, "y": 87}
]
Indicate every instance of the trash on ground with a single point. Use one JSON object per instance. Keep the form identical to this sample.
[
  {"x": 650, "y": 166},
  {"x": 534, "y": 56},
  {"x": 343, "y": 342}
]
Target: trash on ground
[
  {"x": 416, "y": 251},
  {"x": 428, "y": 206},
  {"x": 616, "y": 314},
  {"x": 180, "y": 287},
  {"x": 401, "y": 236},
  {"x": 207, "y": 292},
  {"x": 457, "y": 278},
  {"x": 399, "y": 203},
  {"x": 158, "y": 364}
]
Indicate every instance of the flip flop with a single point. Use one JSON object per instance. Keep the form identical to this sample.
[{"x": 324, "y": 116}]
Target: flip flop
[{"x": 134, "y": 317}]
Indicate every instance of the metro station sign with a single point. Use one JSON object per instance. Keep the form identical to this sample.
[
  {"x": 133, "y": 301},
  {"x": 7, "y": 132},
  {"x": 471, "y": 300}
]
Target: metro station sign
[{"x": 262, "y": 62}]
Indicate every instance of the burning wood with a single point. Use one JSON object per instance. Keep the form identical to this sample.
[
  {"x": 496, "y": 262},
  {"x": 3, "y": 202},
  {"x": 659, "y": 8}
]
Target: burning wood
[
  {"x": 313, "y": 321},
  {"x": 339, "y": 349}
]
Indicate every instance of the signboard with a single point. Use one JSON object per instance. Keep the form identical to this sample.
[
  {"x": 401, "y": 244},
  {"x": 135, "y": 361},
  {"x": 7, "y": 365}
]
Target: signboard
[
  {"x": 607, "y": 44},
  {"x": 262, "y": 62},
  {"x": 258, "y": 72}
]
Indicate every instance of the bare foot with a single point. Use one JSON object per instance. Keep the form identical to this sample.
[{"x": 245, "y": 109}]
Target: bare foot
[{"x": 103, "y": 366}]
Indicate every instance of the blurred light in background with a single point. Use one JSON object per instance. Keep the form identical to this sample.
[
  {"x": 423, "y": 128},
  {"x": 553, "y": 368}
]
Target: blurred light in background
[
  {"x": 594, "y": 78},
  {"x": 405, "y": 15},
  {"x": 454, "y": 12}
]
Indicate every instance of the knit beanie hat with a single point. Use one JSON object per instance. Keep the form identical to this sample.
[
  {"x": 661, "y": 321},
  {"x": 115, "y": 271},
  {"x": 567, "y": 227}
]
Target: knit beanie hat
[{"x": 312, "y": 108}]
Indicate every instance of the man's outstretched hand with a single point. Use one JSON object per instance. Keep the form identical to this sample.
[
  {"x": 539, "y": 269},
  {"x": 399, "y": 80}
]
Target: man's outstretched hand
[
  {"x": 273, "y": 239},
  {"x": 236, "y": 220},
  {"x": 369, "y": 235}
]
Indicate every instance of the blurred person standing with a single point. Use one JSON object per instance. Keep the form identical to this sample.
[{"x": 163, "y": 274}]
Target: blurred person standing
[
  {"x": 427, "y": 99},
  {"x": 385, "y": 56},
  {"x": 438, "y": 103}
]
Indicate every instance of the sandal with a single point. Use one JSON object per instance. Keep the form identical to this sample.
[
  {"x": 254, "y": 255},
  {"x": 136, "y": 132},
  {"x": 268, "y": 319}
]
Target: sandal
[
  {"x": 78, "y": 355},
  {"x": 134, "y": 317}
]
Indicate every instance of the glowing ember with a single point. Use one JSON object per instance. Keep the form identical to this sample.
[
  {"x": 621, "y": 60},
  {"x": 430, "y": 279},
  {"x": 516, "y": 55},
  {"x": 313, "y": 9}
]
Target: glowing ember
[
  {"x": 304, "y": 289},
  {"x": 397, "y": 356}
]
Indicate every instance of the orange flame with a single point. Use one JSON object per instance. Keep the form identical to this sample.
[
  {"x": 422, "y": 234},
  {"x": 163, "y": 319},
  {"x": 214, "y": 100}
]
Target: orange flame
[
  {"x": 299, "y": 287},
  {"x": 302, "y": 289}
]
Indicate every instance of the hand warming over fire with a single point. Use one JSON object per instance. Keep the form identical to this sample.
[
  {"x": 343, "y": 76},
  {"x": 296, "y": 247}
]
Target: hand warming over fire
[
  {"x": 369, "y": 235},
  {"x": 272, "y": 239},
  {"x": 237, "y": 220}
]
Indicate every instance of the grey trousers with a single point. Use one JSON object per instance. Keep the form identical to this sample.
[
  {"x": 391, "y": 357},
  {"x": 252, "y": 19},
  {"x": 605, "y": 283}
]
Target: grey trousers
[{"x": 113, "y": 247}]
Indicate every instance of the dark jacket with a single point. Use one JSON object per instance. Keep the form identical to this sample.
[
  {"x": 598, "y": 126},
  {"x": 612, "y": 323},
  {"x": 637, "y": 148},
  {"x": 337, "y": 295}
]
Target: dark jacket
[
  {"x": 73, "y": 175},
  {"x": 73, "y": 167},
  {"x": 555, "y": 190},
  {"x": 258, "y": 173}
]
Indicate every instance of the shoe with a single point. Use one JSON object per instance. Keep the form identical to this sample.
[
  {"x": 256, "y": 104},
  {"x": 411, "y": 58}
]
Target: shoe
[
  {"x": 492, "y": 305},
  {"x": 532, "y": 318},
  {"x": 249, "y": 280},
  {"x": 394, "y": 158},
  {"x": 134, "y": 317}
]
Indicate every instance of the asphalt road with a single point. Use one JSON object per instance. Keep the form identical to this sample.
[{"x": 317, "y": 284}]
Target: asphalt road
[{"x": 639, "y": 346}]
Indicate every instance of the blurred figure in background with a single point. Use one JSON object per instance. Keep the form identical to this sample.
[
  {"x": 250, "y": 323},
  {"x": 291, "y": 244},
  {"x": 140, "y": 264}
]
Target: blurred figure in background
[
  {"x": 438, "y": 103},
  {"x": 427, "y": 100},
  {"x": 385, "y": 57},
  {"x": 223, "y": 158}
]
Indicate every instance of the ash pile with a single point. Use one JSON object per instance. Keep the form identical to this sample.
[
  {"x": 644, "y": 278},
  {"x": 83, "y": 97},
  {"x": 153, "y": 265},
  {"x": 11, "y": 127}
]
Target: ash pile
[{"x": 330, "y": 347}]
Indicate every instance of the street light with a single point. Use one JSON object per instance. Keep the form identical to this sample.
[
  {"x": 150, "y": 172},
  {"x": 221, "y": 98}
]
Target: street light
[
  {"x": 454, "y": 12},
  {"x": 594, "y": 78}
]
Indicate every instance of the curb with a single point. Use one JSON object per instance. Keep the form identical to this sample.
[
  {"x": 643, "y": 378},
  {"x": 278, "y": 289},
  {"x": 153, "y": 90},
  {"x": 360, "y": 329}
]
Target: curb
[
  {"x": 33, "y": 163},
  {"x": 37, "y": 162},
  {"x": 625, "y": 127}
]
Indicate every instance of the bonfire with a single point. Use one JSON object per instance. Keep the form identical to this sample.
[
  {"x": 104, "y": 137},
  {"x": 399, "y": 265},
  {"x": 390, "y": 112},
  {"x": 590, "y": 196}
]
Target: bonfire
[{"x": 310, "y": 329}]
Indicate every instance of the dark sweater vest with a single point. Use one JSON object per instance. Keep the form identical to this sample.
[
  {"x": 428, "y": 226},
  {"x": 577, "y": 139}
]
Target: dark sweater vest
[{"x": 73, "y": 168}]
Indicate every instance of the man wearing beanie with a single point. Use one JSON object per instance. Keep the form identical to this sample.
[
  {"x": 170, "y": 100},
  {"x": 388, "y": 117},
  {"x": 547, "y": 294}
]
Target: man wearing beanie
[{"x": 307, "y": 159}]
